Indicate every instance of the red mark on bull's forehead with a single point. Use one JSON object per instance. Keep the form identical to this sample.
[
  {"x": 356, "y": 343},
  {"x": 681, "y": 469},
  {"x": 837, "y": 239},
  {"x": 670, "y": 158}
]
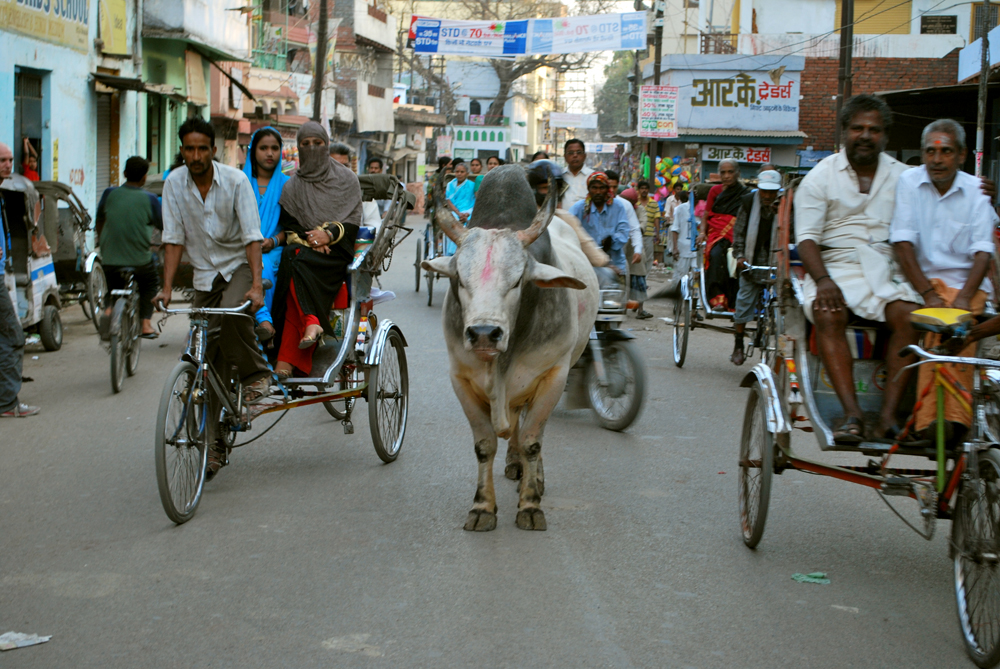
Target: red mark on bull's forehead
[{"x": 488, "y": 268}]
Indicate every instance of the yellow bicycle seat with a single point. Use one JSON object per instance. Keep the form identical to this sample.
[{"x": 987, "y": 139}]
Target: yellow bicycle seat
[{"x": 941, "y": 321}]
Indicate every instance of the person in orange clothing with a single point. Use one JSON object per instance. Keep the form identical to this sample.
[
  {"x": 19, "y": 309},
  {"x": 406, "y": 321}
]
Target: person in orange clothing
[
  {"x": 29, "y": 162},
  {"x": 942, "y": 231}
]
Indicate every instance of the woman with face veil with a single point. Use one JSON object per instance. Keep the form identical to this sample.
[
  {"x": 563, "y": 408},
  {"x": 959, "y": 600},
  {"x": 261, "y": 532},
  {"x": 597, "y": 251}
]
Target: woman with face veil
[{"x": 320, "y": 215}]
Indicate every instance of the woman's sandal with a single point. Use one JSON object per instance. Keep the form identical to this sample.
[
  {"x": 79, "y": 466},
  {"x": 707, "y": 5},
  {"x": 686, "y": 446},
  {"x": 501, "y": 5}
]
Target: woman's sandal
[
  {"x": 306, "y": 342},
  {"x": 851, "y": 431}
]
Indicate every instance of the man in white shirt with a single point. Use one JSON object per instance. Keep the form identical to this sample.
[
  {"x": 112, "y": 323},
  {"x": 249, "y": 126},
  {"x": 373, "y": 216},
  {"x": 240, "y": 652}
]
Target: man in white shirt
[
  {"x": 668, "y": 210},
  {"x": 942, "y": 230},
  {"x": 680, "y": 236},
  {"x": 634, "y": 230},
  {"x": 843, "y": 208},
  {"x": 575, "y": 178}
]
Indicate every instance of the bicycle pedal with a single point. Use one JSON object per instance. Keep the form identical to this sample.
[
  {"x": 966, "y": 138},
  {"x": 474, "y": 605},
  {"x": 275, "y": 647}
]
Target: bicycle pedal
[
  {"x": 348, "y": 427},
  {"x": 897, "y": 486}
]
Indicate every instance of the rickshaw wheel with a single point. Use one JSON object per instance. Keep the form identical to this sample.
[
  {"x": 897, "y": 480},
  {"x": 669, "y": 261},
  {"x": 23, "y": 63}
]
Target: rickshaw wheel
[
  {"x": 416, "y": 263},
  {"x": 50, "y": 329},
  {"x": 430, "y": 289},
  {"x": 388, "y": 398},
  {"x": 756, "y": 468},
  {"x": 181, "y": 443},
  {"x": 682, "y": 328},
  {"x": 97, "y": 288},
  {"x": 975, "y": 534}
]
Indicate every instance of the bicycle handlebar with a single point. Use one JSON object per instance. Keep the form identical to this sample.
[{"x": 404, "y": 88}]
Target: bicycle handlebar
[
  {"x": 232, "y": 311},
  {"x": 750, "y": 268},
  {"x": 952, "y": 359}
]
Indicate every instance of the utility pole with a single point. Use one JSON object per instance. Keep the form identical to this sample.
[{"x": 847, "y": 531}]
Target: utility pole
[
  {"x": 984, "y": 80},
  {"x": 320, "y": 63},
  {"x": 846, "y": 53},
  {"x": 654, "y": 144}
]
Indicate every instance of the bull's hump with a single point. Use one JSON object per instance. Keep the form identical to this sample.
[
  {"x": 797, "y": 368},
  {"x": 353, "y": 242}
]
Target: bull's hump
[{"x": 504, "y": 200}]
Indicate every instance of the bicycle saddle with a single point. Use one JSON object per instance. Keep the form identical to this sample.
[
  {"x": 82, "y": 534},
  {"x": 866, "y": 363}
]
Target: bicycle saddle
[{"x": 942, "y": 321}]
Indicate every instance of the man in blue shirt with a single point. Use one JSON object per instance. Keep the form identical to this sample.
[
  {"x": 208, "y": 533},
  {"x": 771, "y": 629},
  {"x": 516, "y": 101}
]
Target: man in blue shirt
[
  {"x": 11, "y": 334},
  {"x": 606, "y": 221}
]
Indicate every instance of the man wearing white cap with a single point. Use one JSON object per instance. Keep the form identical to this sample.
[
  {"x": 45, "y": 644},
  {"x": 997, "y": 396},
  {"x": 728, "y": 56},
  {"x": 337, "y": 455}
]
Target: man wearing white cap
[{"x": 752, "y": 237}]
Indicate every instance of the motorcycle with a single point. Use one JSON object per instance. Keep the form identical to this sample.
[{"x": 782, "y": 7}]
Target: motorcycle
[{"x": 609, "y": 377}]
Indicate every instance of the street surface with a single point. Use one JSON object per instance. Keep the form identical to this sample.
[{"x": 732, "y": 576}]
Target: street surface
[{"x": 309, "y": 552}]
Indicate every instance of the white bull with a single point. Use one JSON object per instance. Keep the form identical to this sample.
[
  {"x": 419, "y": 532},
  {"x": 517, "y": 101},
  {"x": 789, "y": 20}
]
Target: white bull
[{"x": 522, "y": 302}]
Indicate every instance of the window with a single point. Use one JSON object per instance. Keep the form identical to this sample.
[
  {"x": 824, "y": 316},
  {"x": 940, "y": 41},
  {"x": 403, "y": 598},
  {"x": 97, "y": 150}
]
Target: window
[
  {"x": 475, "y": 136},
  {"x": 878, "y": 17},
  {"x": 500, "y": 137},
  {"x": 475, "y": 108},
  {"x": 977, "y": 18},
  {"x": 467, "y": 137},
  {"x": 493, "y": 136}
]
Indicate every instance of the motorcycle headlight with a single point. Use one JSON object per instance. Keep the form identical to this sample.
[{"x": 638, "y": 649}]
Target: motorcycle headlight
[{"x": 612, "y": 299}]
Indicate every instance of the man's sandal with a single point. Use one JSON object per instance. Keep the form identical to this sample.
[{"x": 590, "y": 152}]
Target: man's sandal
[
  {"x": 216, "y": 461},
  {"x": 851, "y": 431}
]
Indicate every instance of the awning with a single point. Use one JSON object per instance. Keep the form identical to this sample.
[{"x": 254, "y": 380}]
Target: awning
[
  {"x": 708, "y": 135},
  {"x": 167, "y": 90},
  {"x": 402, "y": 154},
  {"x": 119, "y": 83},
  {"x": 210, "y": 52}
]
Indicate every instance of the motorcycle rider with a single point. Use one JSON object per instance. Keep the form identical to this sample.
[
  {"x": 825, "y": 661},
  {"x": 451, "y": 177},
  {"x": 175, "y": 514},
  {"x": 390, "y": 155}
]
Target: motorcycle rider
[{"x": 539, "y": 173}]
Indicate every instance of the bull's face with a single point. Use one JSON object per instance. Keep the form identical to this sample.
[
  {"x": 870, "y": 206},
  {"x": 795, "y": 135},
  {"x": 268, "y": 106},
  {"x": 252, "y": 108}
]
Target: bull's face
[{"x": 490, "y": 269}]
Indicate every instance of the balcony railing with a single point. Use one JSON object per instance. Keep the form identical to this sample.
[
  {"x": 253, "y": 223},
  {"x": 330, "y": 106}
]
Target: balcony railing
[{"x": 719, "y": 43}]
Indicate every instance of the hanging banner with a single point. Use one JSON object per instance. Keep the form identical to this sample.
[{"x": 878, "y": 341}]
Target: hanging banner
[
  {"x": 113, "y": 16},
  {"x": 566, "y": 120},
  {"x": 658, "y": 111},
  {"x": 498, "y": 39},
  {"x": 63, "y": 23}
]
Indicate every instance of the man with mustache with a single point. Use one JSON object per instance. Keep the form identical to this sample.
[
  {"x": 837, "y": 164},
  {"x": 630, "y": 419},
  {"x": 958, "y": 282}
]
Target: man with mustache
[
  {"x": 843, "y": 209},
  {"x": 942, "y": 230}
]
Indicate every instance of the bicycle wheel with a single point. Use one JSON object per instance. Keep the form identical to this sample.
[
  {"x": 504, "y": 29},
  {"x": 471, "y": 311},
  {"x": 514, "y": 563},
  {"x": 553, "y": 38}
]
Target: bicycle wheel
[
  {"x": 617, "y": 405},
  {"x": 97, "y": 288},
  {"x": 416, "y": 264},
  {"x": 682, "y": 328},
  {"x": 388, "y": 393},
  {"x": 119, "y": 348},
  {"x": 975, "y": 533},
  {"x": 181, "y": 440},
  {"x": 134, "y": 344},
  {"x": 756, "y": 468}
]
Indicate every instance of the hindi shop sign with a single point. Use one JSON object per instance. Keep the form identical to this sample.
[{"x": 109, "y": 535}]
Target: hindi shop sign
[
  {"x": 742, "y": 100},
  {"x": 744, "y": 154},
  {"x": 658, "y": 111},
  {"x": 570, "y": 34}
]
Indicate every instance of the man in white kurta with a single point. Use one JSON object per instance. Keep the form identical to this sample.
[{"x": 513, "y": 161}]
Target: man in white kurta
[
  {"x": 843, "y": 209},
  {"x": 577, "y": 173}
]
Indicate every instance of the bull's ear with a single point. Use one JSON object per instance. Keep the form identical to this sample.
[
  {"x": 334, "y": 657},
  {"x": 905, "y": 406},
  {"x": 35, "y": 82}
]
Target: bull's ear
[
  {"x": 444, "y": 265},
  {"x": 547, "y": 276}
]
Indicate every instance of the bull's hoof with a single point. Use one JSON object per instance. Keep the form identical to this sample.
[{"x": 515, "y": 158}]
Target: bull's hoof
[
  {"x": 481, "y": 521},
  {"x": 512, "y": 471},
  {"x": 531, "y": 519}
]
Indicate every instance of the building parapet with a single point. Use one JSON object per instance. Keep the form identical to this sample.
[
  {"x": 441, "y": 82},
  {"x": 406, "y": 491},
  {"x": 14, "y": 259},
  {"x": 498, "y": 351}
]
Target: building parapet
[
  {"x": 374, "y": 26},
  {"x": 207, "y": 26}
]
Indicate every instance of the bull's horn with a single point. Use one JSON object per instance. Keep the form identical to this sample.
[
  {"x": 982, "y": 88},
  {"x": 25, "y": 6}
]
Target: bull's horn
[
  {"x": 443, "y": 217},
  {"x": 542, "y": 218}
]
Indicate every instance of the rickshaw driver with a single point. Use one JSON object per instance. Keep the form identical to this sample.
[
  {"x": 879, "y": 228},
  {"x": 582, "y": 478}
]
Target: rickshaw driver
[
  {"x": 942, "y": 230},
  {"x": 210, "y": 210},
  {"x": 752, "y": 235},
  {"x": 843, "y": 209}
]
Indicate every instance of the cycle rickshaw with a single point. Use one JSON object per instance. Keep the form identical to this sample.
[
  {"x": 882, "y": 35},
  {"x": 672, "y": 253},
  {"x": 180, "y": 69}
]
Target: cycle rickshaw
[
  {"x": 430, "y": 245},
  {"x": 691, "y": 310},
  {"x": 202, "y": 407},
  {"x": 962, "y": 483}
]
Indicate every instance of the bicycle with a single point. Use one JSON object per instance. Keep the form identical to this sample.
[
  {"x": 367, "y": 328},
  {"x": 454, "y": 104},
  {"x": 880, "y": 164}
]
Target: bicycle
[
  {"x": 766, "y": 317},
  {"x": 199, "y": 408},
  {"x": 126, "y": 331}
]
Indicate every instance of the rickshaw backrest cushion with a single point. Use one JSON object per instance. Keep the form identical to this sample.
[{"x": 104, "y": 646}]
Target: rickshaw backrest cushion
[
  {"x": 866, "y": 339},
  {"x": 342, "y": 299}
]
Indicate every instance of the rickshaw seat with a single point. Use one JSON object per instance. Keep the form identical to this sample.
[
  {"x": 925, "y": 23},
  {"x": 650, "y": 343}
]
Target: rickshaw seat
[{"x": 948, "y": 322}]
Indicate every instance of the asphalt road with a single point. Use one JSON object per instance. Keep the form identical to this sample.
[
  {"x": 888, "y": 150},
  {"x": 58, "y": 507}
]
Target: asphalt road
[{"x": 309, "y": 552}]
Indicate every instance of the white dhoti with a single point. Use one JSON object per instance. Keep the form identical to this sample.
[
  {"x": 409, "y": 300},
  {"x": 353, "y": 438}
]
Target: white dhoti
[{"x": 869, "y": 278}]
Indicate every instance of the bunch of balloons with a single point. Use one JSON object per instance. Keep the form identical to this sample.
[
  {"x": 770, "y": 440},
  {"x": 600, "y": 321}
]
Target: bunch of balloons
[{"x": 669, "y": 171}]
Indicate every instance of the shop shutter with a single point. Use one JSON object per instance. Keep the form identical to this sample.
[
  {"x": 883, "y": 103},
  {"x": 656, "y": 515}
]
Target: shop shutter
[
  {"x": 879, "y": 17},
  {"x": 102, "y": 177}
]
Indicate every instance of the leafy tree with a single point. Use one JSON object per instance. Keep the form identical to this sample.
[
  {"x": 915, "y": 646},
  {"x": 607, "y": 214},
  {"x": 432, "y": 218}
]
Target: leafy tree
[{"x": 611, "y": 102}]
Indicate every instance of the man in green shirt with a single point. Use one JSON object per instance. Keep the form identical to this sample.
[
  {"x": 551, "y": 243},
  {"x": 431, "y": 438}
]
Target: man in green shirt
[{"x": 125, "y": 218}]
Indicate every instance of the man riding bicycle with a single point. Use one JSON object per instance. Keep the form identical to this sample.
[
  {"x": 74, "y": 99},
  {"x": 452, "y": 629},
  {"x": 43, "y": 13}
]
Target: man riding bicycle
[{"x": 210, "y": 210}]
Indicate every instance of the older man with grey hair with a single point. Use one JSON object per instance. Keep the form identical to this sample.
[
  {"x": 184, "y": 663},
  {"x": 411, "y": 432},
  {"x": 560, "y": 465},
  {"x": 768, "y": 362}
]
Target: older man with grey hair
[
  {"x": 341, "y": 153},
  {"x": 11, "y": 334},
  {"x": 942, "y": 231}
]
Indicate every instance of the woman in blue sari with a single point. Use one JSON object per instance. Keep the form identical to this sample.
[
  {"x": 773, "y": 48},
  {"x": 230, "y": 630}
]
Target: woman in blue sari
[
  {"x": 263, "y": 168},
  {"x": 461, "y": 197}
]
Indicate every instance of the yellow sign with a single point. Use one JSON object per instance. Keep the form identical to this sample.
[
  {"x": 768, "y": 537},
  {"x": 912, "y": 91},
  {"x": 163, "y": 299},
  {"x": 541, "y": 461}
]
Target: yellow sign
[
  {"x": 55, "y": 159},
  {"x": 62, "y": 22},
  {"x": 113, "y": 21}
]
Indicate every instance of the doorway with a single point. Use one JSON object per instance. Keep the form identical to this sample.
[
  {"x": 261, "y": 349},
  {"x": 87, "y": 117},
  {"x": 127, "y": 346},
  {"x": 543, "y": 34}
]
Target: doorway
[{"x": 28, "y": 122}]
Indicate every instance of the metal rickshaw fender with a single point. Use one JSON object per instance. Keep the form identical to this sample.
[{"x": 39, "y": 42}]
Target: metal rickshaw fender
[
  {"x": 777, "y": 421},
  {"x": 88, "y": 264},
  {"x": 374, "y": 355}
]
